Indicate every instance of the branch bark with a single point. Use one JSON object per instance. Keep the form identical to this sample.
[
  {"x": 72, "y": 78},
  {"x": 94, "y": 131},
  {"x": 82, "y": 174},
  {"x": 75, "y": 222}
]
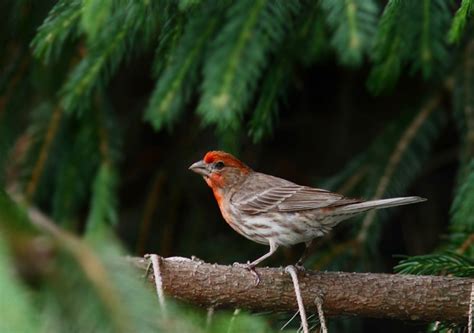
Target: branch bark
[{"x": 404, "y": 297}]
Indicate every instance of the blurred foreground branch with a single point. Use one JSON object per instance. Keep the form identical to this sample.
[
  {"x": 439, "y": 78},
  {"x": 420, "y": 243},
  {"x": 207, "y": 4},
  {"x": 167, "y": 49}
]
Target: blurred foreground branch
[{"x": 404, "y": 297}]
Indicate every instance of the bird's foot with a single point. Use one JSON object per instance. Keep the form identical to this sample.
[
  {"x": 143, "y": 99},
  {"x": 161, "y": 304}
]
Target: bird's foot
[
  {"x": 300, "y": 266},
  {"x": 251, "y": 268}
]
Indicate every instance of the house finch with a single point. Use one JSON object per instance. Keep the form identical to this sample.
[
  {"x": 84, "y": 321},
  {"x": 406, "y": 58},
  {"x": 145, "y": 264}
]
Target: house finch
[{"x": 274, "y": 211}]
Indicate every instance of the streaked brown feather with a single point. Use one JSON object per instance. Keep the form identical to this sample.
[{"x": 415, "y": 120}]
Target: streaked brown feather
[{"x": 273, "y": 194}]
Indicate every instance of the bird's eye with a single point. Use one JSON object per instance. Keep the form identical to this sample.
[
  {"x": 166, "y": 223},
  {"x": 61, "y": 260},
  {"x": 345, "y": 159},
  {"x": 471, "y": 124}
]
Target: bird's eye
[{"x": 219, "y": 165}]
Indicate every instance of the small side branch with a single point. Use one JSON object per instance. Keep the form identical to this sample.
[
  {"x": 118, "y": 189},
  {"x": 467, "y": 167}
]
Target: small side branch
[
  {"x": 404, "y": 297},
  {"x": 155, "y": 263},
  {"x": 322, "y": 319},
  {"x": 294, "y": 277}
]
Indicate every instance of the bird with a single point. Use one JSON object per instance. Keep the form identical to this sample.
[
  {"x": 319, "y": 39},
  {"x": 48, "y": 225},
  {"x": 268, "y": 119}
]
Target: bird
[{"x": 274, "y": 211}]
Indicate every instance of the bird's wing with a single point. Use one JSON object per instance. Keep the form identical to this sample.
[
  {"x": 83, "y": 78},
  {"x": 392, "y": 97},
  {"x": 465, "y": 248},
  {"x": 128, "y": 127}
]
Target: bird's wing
[{"x": 287, "y": 197}]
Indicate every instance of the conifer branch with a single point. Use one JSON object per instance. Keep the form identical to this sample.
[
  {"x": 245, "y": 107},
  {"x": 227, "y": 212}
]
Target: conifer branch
[
  {"x": 406, "y": 26},
  {"x": 396, "y": 158},
  {"x": 229, "y": 74},
  {"x": 91, "y": 264},
  {"x": 179, "y": 77},
  {"x": 151, "y": 203},
  {"x": 104, "y": 197},
  {"x": 353, "y": 180},
  {"x": 13, "y": 83},
  {"x": 38, "y": 168},
  {"x": 61, "y": 24},
  {"x": 238, "y": 55},
  {"x": 468, "y": 99},
  {"x": 95, "y": 14},
  {"x": 215, "y": 97},
  {"x": 169, "y": 40},
  {"x": 353, "y": 22},
  {"x": 462, "y": 220},
  {"x": 425, "y": 49},
  {"x": 107, "y": 50},
  {"x": 441, "y": 263},
  {"x": 432, "y": 52},
  {"x": 464, "y": 109},
  {"x": 404, "y": 297},
  {"x": 466, "y": 244},
  {"x": 311, "y": 40},
  {"x": 264, "y": 115},
  {"x": 459, "y": 21}
]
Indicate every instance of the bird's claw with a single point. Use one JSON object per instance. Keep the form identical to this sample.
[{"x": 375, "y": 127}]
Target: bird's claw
[
  {"x": 300, "y": 267},
  {"x": 250, "y": 268}
]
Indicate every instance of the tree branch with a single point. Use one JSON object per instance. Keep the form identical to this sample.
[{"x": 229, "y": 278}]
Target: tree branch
[{"x": 404, "y": 297}]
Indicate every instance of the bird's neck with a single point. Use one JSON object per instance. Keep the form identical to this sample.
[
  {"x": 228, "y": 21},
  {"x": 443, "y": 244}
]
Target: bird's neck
[{"x": 219, "y": 195}]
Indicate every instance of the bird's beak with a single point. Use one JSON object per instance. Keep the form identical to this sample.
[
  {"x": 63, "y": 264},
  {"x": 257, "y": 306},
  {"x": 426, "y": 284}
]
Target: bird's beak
[{"x": 201, "y": 168}]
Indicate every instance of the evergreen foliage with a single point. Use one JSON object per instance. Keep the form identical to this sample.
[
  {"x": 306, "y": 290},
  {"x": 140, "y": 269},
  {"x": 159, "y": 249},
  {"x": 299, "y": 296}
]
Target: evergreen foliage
[
  {"x": 68, "y": 194},
  {"x": 463, "y": 105},
  {"x": 385, "y": 169},
  {"x": 80, "y": 145},
  {"x": 18, "y": 311},
  {"x": 435, "y": 264},
  {"x": 459, "y": 21},
  {"x": 95, "y": 15},
  {"x": 62, "y": 23},
  {"x": 231, "y": 72},
  {"x": 180, "y": 76},
  {"x": 462, "y": 210},
  {"x": 410, "y": 32},
  {"x": 354, "y": 24},
  {"x": 74, "y": 273},
  {"x": 266, "y": 109},
  {"x": 128, "y": 28},
  {"x": 103, "y": 202}
]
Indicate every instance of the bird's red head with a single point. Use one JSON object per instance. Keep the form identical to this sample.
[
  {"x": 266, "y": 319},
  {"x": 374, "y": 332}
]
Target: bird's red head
[{"x": 221, "y": 170}]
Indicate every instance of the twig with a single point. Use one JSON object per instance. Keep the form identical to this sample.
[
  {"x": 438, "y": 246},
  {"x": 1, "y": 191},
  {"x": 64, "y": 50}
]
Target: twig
[
  {"x": 289, "y": 320},
  {"x": 43, "y": 155},
  {"x": 395, "y": 158},
  {"x": 466, "y": 244},
  {"x": 471, "y": 301},
  {"x": 322, "y": 320},
  {"x": 304, "y": 322},
  {"x": 155, "y": 261},
  {"x": 353, "y": 180},
  {"x": 209, "y": 315},
  {"x": 231, "y": 323}
]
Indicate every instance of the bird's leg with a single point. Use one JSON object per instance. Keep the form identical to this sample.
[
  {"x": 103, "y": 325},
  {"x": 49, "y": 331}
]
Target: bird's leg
[
  {"x": 273, "y": 248},
  {"x": 309, "y": 246},
  {"x": 251, "y": 266}
]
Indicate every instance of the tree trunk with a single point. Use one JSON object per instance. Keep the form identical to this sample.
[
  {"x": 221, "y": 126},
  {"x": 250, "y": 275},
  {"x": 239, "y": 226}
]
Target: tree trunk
[{"x": 404, "y": 297}]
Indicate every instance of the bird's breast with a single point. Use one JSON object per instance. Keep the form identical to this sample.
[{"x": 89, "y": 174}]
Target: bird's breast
[
  {"x": 233, "y": 218},
  {"x": 222, "y": 205}
]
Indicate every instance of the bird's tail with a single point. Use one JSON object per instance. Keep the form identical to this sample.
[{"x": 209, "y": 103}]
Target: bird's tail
[{"x": 378, "y": 204}]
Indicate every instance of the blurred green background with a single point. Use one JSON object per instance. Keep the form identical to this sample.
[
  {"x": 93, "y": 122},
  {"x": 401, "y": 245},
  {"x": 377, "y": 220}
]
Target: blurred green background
[{"x": 105, "y": 104}]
